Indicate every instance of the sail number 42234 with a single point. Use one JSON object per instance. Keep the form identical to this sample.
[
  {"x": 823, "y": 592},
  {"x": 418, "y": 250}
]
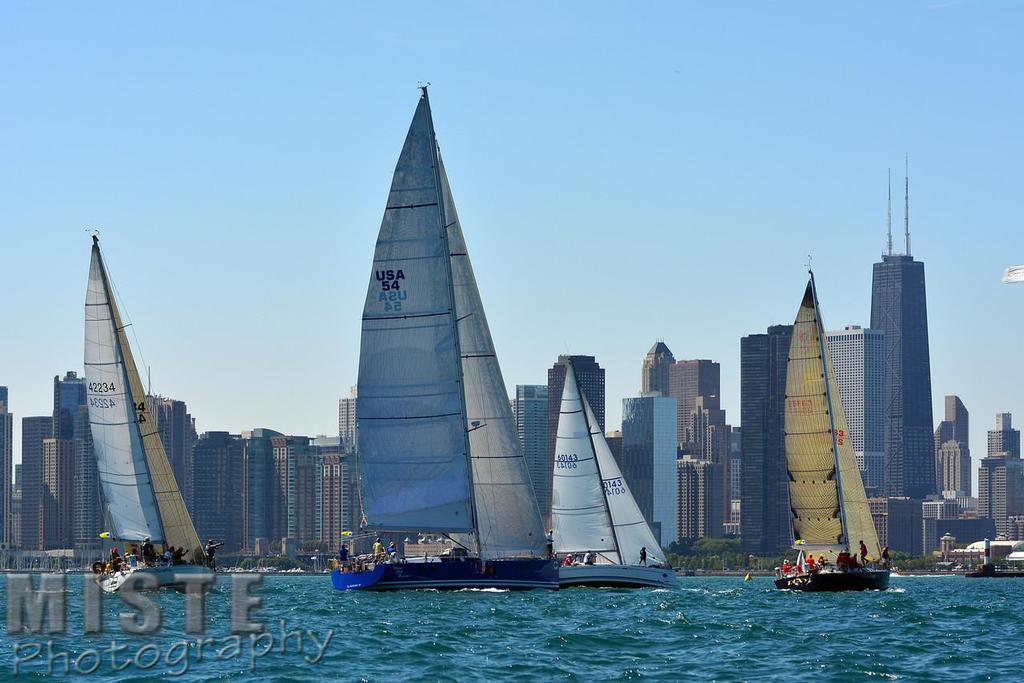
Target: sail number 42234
[{"x": 101, "y": 387}]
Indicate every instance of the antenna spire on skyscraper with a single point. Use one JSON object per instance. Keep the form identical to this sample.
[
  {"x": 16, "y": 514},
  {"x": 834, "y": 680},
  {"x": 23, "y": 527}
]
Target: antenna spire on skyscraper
[
  {"x": 906, "y": 201},
  {"x": 888, "y": 217}
]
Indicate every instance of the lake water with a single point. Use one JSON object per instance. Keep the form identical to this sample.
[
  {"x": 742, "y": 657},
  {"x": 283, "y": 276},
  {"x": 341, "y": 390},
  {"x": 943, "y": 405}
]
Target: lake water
[{"x": 713, "y": 629}]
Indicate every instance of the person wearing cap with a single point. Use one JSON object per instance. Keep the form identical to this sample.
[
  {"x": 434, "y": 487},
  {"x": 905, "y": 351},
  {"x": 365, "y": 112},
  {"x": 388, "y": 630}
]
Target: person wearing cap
[
  {"x": 211, "y": 550},
  {"x": 148, "y": 552}
]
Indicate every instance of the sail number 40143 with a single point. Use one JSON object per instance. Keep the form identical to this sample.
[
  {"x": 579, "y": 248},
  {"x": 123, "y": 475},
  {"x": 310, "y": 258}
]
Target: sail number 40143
[
  {"x": 566, "y": 461},
  {"x": 613, "y": 487}
]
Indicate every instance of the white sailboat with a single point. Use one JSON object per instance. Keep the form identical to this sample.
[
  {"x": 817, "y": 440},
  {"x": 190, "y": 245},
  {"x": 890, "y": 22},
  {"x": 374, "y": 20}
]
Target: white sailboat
[
  {"x": 142, "y": 497},
  {"x": 438, "y": 450},
  {"x": 593, "y": 511}
]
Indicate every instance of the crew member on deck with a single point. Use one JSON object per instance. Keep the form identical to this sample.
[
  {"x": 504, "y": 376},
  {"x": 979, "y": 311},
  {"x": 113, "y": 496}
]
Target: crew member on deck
[
  {"x": 343, "y": 555},
  {"x": 885, "y": 557},
  {"x": 115, "y": 560},
  {"x": 148, "y": 552},
  {"x": 551, "y": 543},
  {"x": 211, "y": 551},
  {"x": 810, "y": 564},
  {"x": 643, "y": 556},
  {"x": 863, "y": 553},
  {"x": 378, "y": 550}
]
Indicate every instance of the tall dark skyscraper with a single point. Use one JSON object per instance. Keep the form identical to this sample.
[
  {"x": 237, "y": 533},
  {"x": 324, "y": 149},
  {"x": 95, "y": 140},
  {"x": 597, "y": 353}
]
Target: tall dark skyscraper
[
  {"x": 33, "y": 431},
  {"x": 530, "y": 409},
  {"x": 218, "y": 469},
  {"x": 7, "y": 534},
  {"x": 68, "y": 395},
  {"x": 591, "y": 378},
  {"x": 178, "y": 434},
  {"x": 87, "y": 515},
  {"x": 899, "y": 308},
  {"x": 765, "y": 524},
  {"x": 689, "y": 379},
  {"x": 654, "y": 375}
]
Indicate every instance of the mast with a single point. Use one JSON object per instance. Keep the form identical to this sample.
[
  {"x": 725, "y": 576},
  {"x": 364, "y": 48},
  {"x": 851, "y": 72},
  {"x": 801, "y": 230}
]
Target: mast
[
  {"x": 597, "y": 461},
  {"x": 436, "y": 167},
  {"x": 831, "y": 412},
  {"x": 888, "y": 218},
  {"x": 906, "y": 201}
]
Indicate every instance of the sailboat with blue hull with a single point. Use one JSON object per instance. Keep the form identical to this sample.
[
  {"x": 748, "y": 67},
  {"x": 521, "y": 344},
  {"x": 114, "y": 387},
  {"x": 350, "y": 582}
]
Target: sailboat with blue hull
[{"x": 437, "y": 447}]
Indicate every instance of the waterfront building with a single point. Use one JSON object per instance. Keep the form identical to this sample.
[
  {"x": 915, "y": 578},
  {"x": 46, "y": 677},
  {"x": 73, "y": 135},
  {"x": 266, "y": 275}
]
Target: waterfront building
[
  {"x": 6, "y": 470},
  {"x": 295, "y": 487},
  {"x": 858, "y": 362},
  {"x": 347, "y": 422},
  {"x": 590, "y": 376},
  {"x": 257, "y": 502},
  {"x": 217, "y": 475},
  {"x": 765, "y": 522},
  {"x": 1001, "y": 488},
  {"x": 899, "y": 309},
  {"x": 177, "y": 434},
  {"x": 56, "y": 494},
  {"x": 699, "y": 509},
  {"x": 897, "y": 522},
  {"x": 337, "y": 501},
  {"x": 654, "y": 376},
  {"x": 932, "y": 531},
  {"x": 689, "y": 379},
  {"x": 1004, "y": 438},
  {"x": 530, "y": 410},
  {"x": 34, "y": 430},
  {"x": 87, "y": 501},
  {"x": 649, "y": 460}
]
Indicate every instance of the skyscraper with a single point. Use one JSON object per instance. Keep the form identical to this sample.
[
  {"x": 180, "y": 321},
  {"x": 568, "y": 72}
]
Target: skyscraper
[
  {"x": 33, "y": 431},
  {"x": 899, "y": 309},
  {"x": 295, "y": 487},
  {"x": 700, "y": 512},
  {"x": 258, "y": 504},
  {"x": 689, "y": 379},
  {"x": 952, "y": 453},
  {"x": 338, "y": 510},
  {"x": 654, "y": 375},
  {"x": 177, "y": 434},
  {"x": 649, "y": 460},
  {"x": 68, "y": 396},
  {"x": 590, "y": 376},
  {"x": 1004, "y": 438},
  {"x": 6, "y": 470},
  {"x": 87, "y": 502},
  {"x": 530, "y": 409},
  {"x": 1001, "y": 488},
  {"x": 56, "y": 494},
  {"x": 217, "y": 471},
  {"x": 858, "y": 361},
  {"x": 766, "y": 524},
  {"x": 347, "y": 422}
]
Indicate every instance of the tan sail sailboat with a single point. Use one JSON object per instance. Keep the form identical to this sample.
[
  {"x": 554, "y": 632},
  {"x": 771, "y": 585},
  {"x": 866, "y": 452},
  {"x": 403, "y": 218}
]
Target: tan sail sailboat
[
  {"x": 831, "y": 518},
  {"x": 143, "y": 502}
]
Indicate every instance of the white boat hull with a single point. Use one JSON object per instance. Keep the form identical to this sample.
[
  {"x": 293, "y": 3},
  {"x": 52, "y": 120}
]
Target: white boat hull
[
  {"x": 167, "y": 576},
  {"x": 616, "y": 576}
]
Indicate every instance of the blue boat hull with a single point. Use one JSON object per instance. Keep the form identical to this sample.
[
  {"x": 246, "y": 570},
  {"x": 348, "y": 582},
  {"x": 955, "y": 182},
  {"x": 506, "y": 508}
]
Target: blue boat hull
[{"x": 452, "y": 575}]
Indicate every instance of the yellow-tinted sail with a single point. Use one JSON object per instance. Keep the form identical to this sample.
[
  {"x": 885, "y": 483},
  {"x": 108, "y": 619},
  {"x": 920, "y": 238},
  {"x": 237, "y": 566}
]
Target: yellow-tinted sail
[
  {"x": 830, "y": 508},
  {"x": 177, "y": 523}
]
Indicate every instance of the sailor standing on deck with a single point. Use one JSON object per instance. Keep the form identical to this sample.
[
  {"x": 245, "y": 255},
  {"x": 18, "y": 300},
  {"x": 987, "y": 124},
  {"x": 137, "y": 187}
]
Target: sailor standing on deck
[
  {"x": 148, "y": 552},
  {"x": 551, "y": 543},
  {"x": 211, "y": 550},
  {"x": 643, "y": 556}
]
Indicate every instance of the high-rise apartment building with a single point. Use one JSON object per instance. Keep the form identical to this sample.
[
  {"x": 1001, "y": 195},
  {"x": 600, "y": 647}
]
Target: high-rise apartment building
[
  {"x": 7, "y": 533},
  {"x": 87, "y": 501},
  {"x": 68, "y": 397},
  {"x": 56, "y": 494},
  {"x": 1004, "y": 438},
  {"x": 177, "y": 434},
  {"x": 700, "y": 514},
  {"x": 530, "y": 409},
  {"x": 858, "y": 362},
  {"x": 217, "y": 470},
  {"x": 649, "y": 460},
  {"x": 347, "y": 422},
  {"x": 952, "y": 453},
  {"x": 1001, "y": 488},
  {"x": 899, "y": 309},
  {"x": 590, "y": 376},
  {"x": 337, "y": 503},
  {"x": 295, "y": 487},
  {"x": 654, "y": 376},
  {"x": 689, "y": 379},
  {"x": 34, "y": 430},
  {"x": 766, "y": 524}
]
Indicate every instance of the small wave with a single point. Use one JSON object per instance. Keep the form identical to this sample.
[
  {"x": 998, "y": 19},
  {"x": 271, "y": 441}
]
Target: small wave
[{"x": 483, "y": 590}]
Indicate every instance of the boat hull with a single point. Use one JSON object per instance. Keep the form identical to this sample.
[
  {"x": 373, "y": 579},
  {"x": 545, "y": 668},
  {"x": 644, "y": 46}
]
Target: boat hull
[
  {"x": 989, "y": 571},
  {"x": 167, "y": 576},
  {"x": 831, "y": 582},
  {"x": 451, "y": 575},
  {"x": 615, "y": 576}
]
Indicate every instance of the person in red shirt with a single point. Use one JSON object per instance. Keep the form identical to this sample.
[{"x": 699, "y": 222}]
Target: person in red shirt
[{"x": 810, "y": 563}]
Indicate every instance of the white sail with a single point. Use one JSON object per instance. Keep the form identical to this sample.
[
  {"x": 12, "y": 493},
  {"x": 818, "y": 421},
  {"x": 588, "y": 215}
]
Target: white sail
[
  {"x": 412, "y": 429},
  {"x": 508, "y": 518},
  {"x": 579, "y": 509},
  {"x": 121, "y": 459},
  {"x": 631, "y": 529}
]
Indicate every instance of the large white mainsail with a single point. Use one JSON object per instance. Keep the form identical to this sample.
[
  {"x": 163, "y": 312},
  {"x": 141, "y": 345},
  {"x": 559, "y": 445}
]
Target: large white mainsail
[
  {"x": 829, "y": 505},
  {"x": 141, "y": 494},
  {"x": 592, "y": 506},
  {"x": 438, "y": 448}
]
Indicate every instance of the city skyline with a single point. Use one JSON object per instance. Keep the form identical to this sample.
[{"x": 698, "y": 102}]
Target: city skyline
[{"x": 192, "y": 263}]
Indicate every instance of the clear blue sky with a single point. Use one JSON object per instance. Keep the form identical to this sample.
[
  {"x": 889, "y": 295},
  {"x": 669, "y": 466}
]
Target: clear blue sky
[{"x": 624, "y": 172}]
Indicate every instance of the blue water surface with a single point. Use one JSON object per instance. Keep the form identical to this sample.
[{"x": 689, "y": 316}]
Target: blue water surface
[{"x": 709, "y": 629}]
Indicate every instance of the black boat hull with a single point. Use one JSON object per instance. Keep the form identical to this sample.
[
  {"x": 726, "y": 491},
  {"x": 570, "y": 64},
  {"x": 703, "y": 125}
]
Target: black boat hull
[{"x": 832, "y": 582}]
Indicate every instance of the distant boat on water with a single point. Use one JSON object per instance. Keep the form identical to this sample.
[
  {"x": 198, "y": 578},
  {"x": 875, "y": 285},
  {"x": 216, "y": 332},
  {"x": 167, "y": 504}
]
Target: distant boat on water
[{"x": 438, "y": 450}]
